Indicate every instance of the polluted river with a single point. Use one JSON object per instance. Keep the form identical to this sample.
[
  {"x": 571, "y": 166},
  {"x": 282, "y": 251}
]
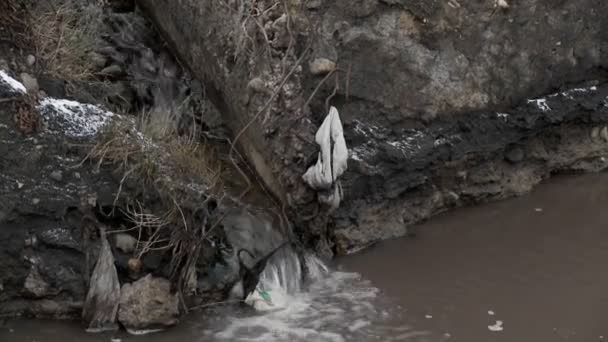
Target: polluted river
[{"x": 525, "y": 269}]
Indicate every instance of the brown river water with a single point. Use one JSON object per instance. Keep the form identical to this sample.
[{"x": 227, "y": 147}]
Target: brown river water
[{"x": 532, "y": 268}]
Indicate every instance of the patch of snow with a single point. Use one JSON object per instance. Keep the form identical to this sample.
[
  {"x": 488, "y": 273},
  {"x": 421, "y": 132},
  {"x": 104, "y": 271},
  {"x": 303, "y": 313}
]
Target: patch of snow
[
  {"x": 367, "y": 129},
  {"x": 496, "y": 327},
  {"x": 568, "y": 93},
  {"x": 355, "y": 156},
  {"x": 541, "y": 104},
  {"x": 503, "y": 116},
  {"x": 11, "y": 82},
  {"x": 409, "y": 144},
  {"x": 441, "y": 141},
  {"x": 75, "y": 119}
]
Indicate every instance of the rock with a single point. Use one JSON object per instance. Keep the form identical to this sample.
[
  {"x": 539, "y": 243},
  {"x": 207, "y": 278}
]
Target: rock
[
  {"x": 35, "y": 286},
  {"x": 595, "y": 133},
  {"x": 320, "y": 66},
  {"x": 148, "y": 304},
  {"x": 113, "y": 70},
  {"x": 125, "y": 242},
  {"x": 35, "y": 201},
  {"x": 135, "y": 265},
  {"x": 57, "y": 175},
  {"x": 604, "y": 133},
  {"x": 257, "y": 85},
  {"x": 30, "y": 60},
  {"x": 514, "y": 155},
  {"x": 502, "y": 3},
  {"x": 30, "y": 83}
]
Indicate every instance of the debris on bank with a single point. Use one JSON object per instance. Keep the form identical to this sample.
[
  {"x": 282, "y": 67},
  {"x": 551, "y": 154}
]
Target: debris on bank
[{"x": 331, "y": 163}]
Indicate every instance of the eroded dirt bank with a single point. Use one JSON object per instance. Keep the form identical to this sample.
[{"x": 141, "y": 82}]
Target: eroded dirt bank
[
  {"x": 444, "y": 103},
  {"x": 117, "y": 203}
]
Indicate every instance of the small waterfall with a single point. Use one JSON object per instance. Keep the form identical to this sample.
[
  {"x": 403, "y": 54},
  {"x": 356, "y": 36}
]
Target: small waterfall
[
  {"x": 288, "y": 272},
  {"x": 311, "y": 303}
]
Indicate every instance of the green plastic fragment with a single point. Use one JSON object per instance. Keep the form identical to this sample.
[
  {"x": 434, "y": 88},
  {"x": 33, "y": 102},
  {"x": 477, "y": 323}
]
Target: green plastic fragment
[{"x": 265, "y": 295}]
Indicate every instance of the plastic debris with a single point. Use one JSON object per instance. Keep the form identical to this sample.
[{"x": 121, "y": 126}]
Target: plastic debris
[
  {"x": 261, "y": 301},
  {"x": 496, "y": 326},
  {"x": 332, "y": 160},
  {"x": 101, "y": 305}
]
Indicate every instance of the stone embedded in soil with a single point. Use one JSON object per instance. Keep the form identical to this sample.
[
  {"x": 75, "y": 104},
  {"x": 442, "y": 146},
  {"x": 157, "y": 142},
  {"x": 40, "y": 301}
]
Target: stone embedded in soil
[
  {"x": 35, "y": 285},
  {"x": 148, "y": 304},
  {"x": 125, "y": 242},
  {"x": 30, "y": 60},
  {"x": 57, "y": 175},
  {"x": 321, "y": 66}
]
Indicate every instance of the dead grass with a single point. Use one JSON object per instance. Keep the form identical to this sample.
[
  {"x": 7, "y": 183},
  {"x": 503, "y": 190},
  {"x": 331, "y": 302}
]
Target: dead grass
[
  {"x": 166, "y": 163},
  {"x": 63, "y": 37}
]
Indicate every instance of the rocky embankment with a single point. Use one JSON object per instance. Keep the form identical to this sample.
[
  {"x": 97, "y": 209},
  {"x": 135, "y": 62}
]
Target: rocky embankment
[
  {"x": 114, "y": 204},
  {"x": 444, "y": 103}
]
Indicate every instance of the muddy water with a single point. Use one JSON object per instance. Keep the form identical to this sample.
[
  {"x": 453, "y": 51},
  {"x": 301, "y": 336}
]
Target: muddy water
[
  {"x": 537, "y": 263},
  {"x": 528, "y": 269}
]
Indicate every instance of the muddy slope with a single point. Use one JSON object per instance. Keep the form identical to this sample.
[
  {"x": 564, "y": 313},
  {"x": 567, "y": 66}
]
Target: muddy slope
[{"x": 435, "y": 98}]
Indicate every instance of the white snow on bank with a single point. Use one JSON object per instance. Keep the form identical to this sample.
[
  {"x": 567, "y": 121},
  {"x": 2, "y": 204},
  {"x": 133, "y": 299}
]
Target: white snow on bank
[
  {"x": 541, "y": 104},
  {"x": 75, "y": 119},
  {"x": 503, "y": 116},
  {"x": 11, "y": 82},
  {"x": 568, "y": 93}
]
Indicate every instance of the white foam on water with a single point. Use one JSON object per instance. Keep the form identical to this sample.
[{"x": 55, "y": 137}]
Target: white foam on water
[
  {"x": 331, "y": 306},
  {"x": 11, "y": 82}
]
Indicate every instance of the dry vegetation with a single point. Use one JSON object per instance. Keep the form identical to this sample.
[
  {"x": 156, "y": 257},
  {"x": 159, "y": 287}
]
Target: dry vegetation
[{"x": 63, "y": 36}]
